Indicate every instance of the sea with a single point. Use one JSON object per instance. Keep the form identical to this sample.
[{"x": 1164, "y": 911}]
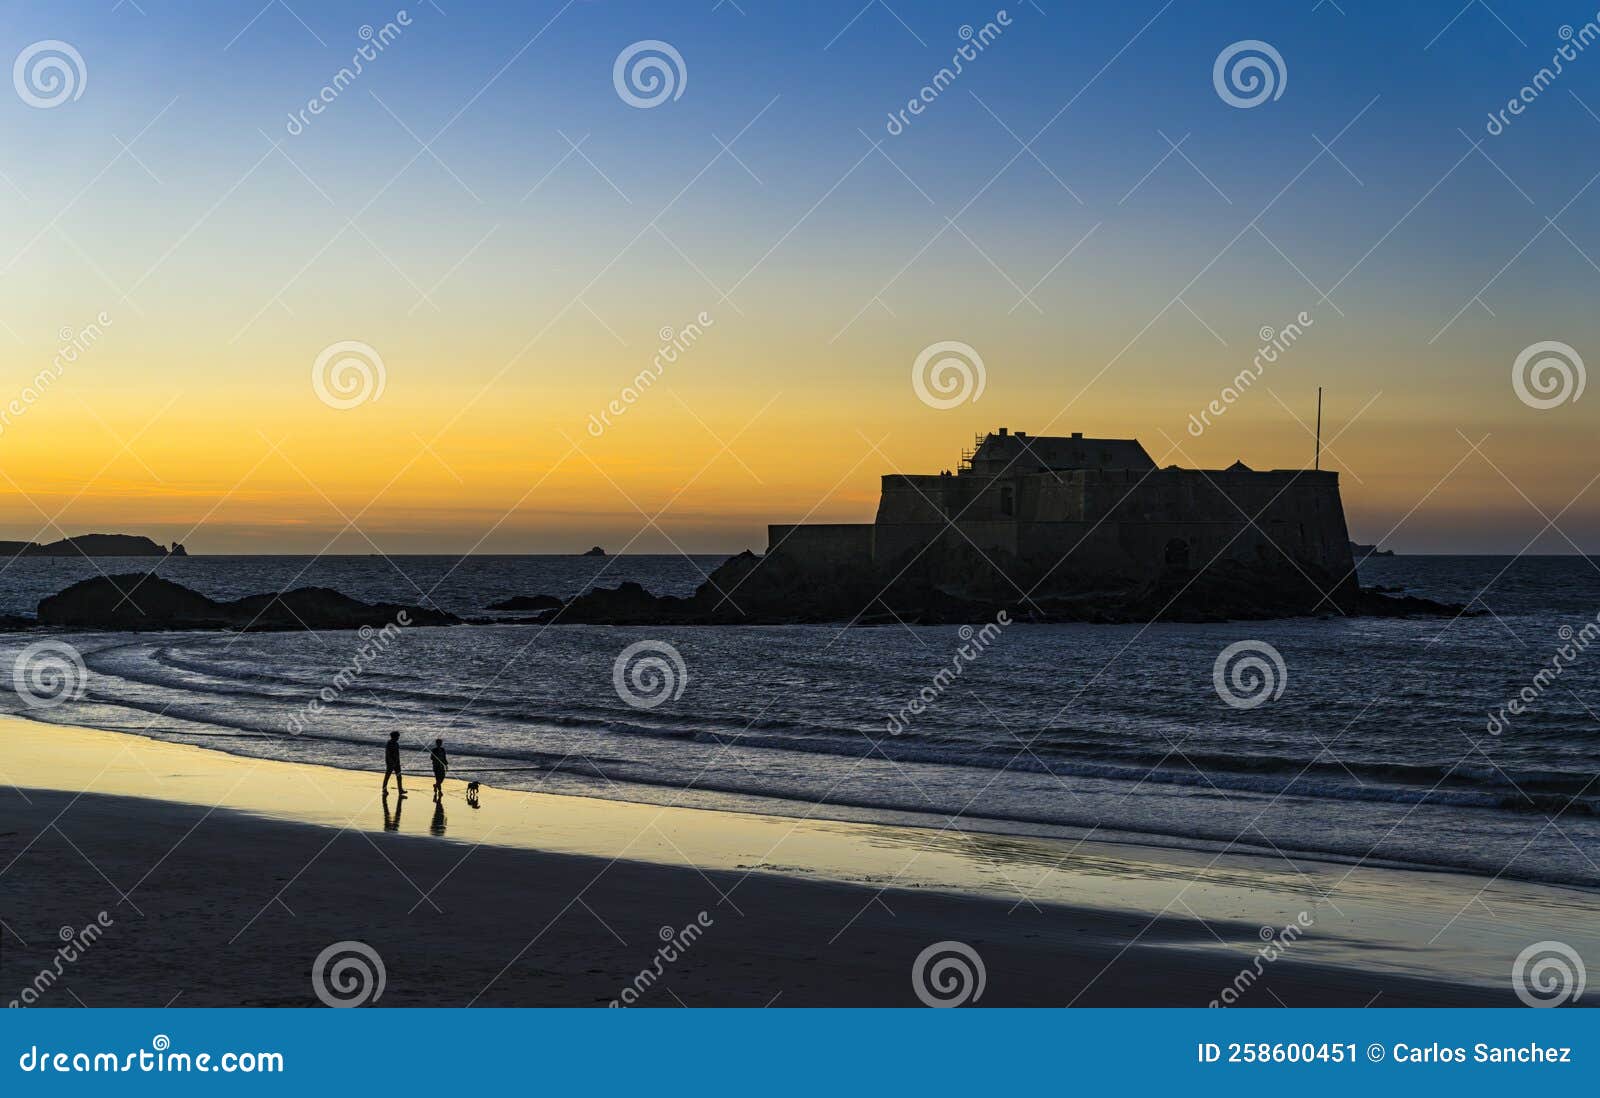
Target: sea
[{"x": 1468, "y": 743}]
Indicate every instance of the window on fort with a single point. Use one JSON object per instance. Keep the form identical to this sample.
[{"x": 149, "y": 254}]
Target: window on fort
[{"x": 1008, "y": 501}]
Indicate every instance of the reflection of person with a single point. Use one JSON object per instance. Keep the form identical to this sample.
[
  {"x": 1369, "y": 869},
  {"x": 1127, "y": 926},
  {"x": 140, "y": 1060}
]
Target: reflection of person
[
  {"x": 441, "y": 763},
  {"x": 391, "y": 764},
  {"x": 437, "y": 826},
  {"x": 391, "y": 822}
]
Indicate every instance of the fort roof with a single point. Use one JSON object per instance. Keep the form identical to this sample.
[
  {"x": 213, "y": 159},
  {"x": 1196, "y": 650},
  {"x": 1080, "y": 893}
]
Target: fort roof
[{"x": 1023, "y": 453}]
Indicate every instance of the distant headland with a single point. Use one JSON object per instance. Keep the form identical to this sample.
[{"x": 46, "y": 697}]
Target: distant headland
[{"x": 92, "y": 545}]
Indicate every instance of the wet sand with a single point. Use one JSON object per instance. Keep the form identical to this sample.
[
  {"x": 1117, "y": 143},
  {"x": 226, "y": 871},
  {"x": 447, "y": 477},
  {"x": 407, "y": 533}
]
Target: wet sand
[{"x": 223, "y": 878}]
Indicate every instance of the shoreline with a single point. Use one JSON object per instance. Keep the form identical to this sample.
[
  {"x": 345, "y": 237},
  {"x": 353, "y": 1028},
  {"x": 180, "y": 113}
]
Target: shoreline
[
  {"x": 746, "y": 803},
  {"x": 1086, "y": 922}
]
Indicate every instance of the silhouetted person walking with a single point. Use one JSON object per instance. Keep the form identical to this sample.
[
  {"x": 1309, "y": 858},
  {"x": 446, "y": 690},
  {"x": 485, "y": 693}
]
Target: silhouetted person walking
[
  {"x": 441, "y": 763},
  {"x": 391, "y": 764}
]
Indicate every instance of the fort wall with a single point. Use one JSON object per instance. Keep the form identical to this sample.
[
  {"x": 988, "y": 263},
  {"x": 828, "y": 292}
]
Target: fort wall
[
  {"x": 1082, "y": 524},
  {"x": 823, "y": 546}
]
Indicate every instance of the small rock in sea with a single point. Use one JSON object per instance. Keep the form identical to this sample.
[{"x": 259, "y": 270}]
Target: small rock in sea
[{"x": 527, "y": 602}]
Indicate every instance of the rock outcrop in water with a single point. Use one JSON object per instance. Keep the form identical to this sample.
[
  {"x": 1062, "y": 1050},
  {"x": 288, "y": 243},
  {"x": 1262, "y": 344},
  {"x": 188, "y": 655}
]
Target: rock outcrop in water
[
  {"x": 775, "y": 589},
  {"x": 138, "y": 602}
]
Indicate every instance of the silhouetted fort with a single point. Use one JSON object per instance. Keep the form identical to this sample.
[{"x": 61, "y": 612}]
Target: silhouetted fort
[{"x": 1086, "y": 509}]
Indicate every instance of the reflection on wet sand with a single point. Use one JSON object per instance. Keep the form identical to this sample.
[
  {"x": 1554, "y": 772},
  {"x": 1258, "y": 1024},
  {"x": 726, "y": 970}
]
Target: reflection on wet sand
[
  {"x": 391, "y": 821},
  {"x": 1364, "y": 914}
]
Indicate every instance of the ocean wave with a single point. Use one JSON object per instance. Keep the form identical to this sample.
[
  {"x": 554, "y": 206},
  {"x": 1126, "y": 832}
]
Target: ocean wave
[
  {"x": 163, "y": 677},
  {"x": 1223, "y": 781},
  {"x": 270, "y": 723}
]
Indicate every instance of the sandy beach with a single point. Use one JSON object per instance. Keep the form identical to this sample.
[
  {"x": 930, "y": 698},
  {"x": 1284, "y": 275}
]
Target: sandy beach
[{"x": 223, "y": 878}]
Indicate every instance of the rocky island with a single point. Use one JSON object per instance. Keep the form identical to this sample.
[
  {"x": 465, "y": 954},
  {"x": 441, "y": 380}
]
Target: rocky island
[{"x": 1046, "y": 529}]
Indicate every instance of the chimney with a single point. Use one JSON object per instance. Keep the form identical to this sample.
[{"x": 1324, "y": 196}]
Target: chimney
[
  {"x": 1002, "y": 432},
  {"x": 1077, "y": 434}
]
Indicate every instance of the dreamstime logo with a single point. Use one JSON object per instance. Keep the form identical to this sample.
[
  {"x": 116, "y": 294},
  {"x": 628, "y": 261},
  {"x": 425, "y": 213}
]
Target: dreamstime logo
[
  {"x": 1249, "y": 673},
  {"x": 1274, "y": 345},
  {"x": 1574, "y": 643},
  {"x": 674, "y": 944},
  {"x": 1548, "y": 373},
  {"x": 75, "y": 343},
  {"x": 648, "y": 73},
  {"x": 75, "y": 943},
  {"x": 1548, "y": 974},
  {"x": 373, "y": 43},
  {"x": 348, "y": 374},
  {"x": 974, "y": 642},
  {"x": 355, "y": 972},
  {"x": 973, "y": 42},
  {"x": 1274, "y": 942},
  {"x": 1249, "y": 80},
  {"x": 1573, "y": 43},
  {"x": 158, "y": 1059},
  {"x": 948, "y": 373},
  {"x": 374, "y": 643},
  {"x": 47, "y": 673},
  {"x": 948, "y": 974},
  {"x": 49, "y": 73},
  {"x": 673, "y": 346},
  {"x": 649, "y": 673}
]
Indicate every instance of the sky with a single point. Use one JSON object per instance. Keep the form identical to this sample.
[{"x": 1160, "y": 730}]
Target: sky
[{"x": 506, "y": 230}]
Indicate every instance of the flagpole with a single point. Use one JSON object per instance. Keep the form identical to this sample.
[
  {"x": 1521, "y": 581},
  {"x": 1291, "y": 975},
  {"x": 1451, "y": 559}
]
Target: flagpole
[{"x": 1318, "y": 462}]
